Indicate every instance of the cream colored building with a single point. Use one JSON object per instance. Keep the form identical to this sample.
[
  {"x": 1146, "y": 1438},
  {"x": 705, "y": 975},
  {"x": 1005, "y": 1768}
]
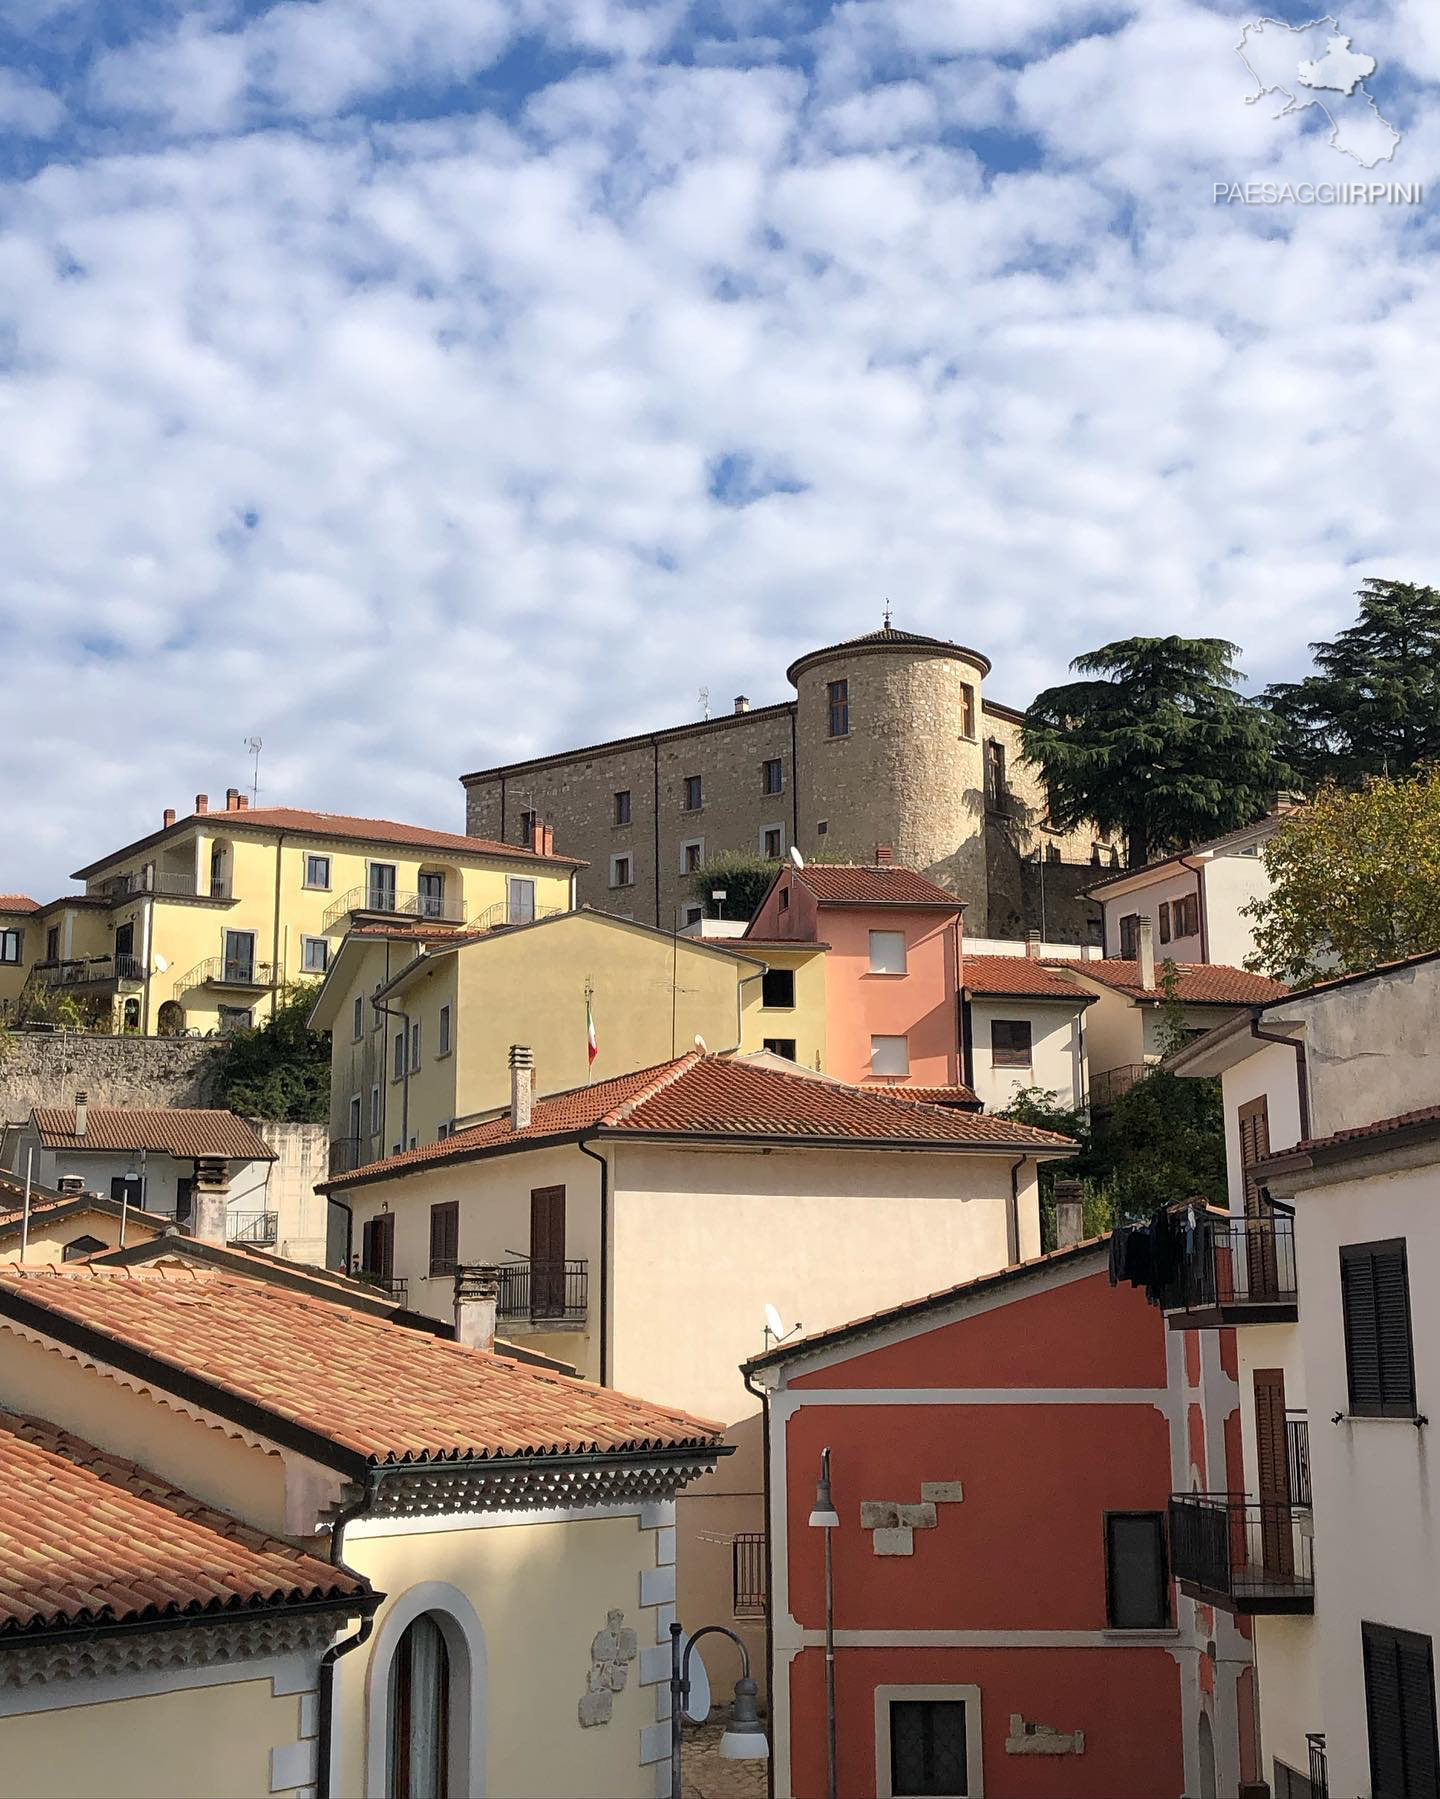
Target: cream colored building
[
  {"x": 1333, "y": 1149},
  {"x": 641, "y": 1226},
  {"x": 65, "y": 1227},
  {"x": 259, "y": 1541},
  {"x": 197, "y": 926},
  {"x": 891, "y": 739},
  {"x": 1023, "y": 1026},
  {"x": 17, "y": 914}
]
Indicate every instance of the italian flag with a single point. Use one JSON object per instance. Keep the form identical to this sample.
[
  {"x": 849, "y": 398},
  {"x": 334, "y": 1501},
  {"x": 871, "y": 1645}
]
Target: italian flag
[{"x": 592, "y": 1048}]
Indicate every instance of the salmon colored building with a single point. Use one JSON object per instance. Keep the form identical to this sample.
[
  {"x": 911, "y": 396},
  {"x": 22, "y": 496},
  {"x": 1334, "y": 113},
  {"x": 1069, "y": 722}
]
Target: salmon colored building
[
  {"x": 892, "y": 967},
  {"x": 1005, "y": 1624}
]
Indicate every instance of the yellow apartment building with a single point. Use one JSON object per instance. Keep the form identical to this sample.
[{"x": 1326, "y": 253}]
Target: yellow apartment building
[
  {"x": 196, "y": 927},
  {"x": 17, "y": 913}
]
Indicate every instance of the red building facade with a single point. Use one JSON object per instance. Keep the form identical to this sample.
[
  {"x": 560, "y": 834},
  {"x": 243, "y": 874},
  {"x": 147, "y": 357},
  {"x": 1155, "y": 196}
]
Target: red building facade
[{"x": 1002, "y": 1457}]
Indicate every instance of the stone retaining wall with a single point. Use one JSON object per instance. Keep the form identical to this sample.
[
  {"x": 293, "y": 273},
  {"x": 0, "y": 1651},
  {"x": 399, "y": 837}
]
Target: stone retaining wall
[{"x": 47, "y": 1068}]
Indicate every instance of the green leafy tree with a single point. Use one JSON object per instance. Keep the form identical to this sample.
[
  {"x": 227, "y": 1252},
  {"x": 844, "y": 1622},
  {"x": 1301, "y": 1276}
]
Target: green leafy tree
[
  {"x": 1155, "y": 743},
  {"x": 1354, "y": 881},
  {"x": 281, "y": 1068},
  {"x": 745, "y": 878},
  {"x": 1372, "y": 707}
]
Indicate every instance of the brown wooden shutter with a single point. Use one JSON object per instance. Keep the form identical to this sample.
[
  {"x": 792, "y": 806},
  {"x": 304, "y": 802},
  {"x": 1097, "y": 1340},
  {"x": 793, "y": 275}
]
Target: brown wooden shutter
[
  {"x": 444, "y": 1236},
  {"x": 1272, "y": 1460},
  {"x": 1164, "y": 921},
  {"x": 1254, "y": 1143},
  {"x": 547, "y": 1250}
]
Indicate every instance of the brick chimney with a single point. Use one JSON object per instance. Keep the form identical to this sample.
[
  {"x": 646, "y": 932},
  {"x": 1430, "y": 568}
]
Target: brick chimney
[
  {"x": 884, "y": 854},
  {"x": 202, "y": 804},
  {"x": 242, "y": 804},
  {"x": 232, "y": 799},
  {"x": 167, "y": 817},
  {"x": 741, "y": 703},
  {"x": 1032, "y": 944},
  {"x": 522, "y": 1082},
  {"x": 542, "y": 836},
  {"x": 1284, "y": 803},
  {"x": 1145, "y": 950},
  {"x": 209, "y": 1198},
  {"x": 477, "y": 1300},
  {"x": 1069, "y": 1213}
]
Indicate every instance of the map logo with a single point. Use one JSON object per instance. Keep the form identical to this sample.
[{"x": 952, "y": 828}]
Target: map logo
[{"x": 1314, "y": 65}]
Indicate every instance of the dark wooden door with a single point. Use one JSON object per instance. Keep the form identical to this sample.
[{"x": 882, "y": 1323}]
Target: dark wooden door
[
  {"x": 1272, "y": 1460},
  {"x": 547, "y": 1251},
  {"x": 377, "y": 1246},
  {"x": 1262, "y": 1272}
]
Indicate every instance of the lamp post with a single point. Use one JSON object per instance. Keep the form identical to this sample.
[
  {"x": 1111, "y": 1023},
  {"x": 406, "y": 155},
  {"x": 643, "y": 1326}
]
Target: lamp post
[
  {"x": 825, "y": 1517},
  {"x": 744, "y": 1738}
]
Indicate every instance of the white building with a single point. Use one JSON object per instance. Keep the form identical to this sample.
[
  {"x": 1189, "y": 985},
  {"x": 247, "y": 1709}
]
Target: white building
[{"x": 1023, "y": 1025}]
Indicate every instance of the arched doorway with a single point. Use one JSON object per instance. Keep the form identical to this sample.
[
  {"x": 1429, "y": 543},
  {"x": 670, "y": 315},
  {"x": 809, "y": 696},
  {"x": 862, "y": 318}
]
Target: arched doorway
[
  {"x": 420, "y": 1713},
  {"x": 1206, "y": 1740},
  {"x": 426, "y": 1698},
  {"x": 132, "y": 1014},
  {"x": 170, "y": 1019}
]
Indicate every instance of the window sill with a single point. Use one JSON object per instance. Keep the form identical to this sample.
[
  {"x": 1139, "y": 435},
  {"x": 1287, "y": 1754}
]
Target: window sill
[
  {"x": 307, "y": 888},
  {"x": 1141, "y": 1633},
  {"x": 620, "y": 886},
  {"x": 885, "y": 974},
  {"x": 443, "y": 1055}
]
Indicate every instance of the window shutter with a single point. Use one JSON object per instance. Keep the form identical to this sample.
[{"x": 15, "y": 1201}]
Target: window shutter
[
  {"x": 1375, "y": 1301},
  {"x": 1400, "y": 1712}
]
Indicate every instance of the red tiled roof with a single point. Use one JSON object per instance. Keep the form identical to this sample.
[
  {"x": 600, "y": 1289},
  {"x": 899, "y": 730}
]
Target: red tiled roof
[
  {"x": 46, "y": 1207},
  {"x": 360, "y": 1383},
  {"x": 955, "y": 1095},
  {"x": 1380, "y": 1127},
  {"x": 888, "y": 637},
  {"x": 1197, "y": 983},
  {"x": 873, "y": 884},
  {"x": 18, "y": 902},
  {"x": 708, "y": 1096},
  {"x": 88, "y": 1538},
  {"x": 174, "y": 1132},
  {"x": 1365, "y": 974},
  {"x": 1014, "y": 977}
]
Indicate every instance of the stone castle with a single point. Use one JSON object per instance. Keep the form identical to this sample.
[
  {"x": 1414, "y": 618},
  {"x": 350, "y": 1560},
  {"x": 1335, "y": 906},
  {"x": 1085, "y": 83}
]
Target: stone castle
[{"x": 889, "y": 749}]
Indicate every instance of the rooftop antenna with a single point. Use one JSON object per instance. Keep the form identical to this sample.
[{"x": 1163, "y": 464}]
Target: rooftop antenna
[
  {"x": 704, "y": 702},
  {"x": 254, "y": 745}
]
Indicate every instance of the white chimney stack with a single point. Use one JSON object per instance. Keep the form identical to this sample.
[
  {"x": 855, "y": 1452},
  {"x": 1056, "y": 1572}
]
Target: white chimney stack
[
  {"x": 1032, "y": 944},
  {"x": 477, "y": 1301},
  {"x": 1145, "y": 950},
  {"x": 210, "y": 1198},
  {"x": 741, "y": 703},
  {"x": 522, "y": 1083},
  {"x": 81, "y": 1113},
  {"x": 1069, "y": 1213}
]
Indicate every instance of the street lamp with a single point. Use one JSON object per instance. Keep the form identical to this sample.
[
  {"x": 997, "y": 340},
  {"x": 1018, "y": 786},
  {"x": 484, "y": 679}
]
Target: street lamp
[
  {"x": 825, "y": 1517},
  {"x": 744, "y": 1738}
]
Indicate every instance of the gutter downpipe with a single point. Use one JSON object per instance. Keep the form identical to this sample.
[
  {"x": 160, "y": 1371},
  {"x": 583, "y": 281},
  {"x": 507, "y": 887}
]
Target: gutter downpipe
[
  {"x": 967, "y": 1040},
  {"x": 740, "y": 985},
  {"x": 763, "y": 1395},
  {"x": 277, "y": 966},
  {"x": 655, "y": 747},
  {"x": 595, "y": 1156},
  {"x": 1198, "y": 870},
  {"x": 1012, "y": 1213},
  {"x": 1302, "y": 1070},
  {"x": 324, "y": 1747}
]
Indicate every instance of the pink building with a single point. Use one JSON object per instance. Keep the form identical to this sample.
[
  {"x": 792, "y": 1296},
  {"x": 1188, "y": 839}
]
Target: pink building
[{"x": 892, "y": 971}]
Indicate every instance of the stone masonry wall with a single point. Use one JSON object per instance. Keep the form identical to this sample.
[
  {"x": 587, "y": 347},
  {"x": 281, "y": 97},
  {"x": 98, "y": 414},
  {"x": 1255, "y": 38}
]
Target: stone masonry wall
[{"x": 47, "y": 1068}]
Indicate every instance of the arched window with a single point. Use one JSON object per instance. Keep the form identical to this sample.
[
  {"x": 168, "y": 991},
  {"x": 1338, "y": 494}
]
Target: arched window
[
  {"x": 171, "y": 1018},
  {"x": 420, "y": 1713}
]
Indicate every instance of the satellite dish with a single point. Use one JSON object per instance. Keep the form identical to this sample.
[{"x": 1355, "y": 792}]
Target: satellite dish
[
  {"x": 796, "y": 857},
  {"x": 700, "y": 1044},
  {"x": 774, "y": 1323},
  {"x": 160, "y": 963},
  {"x": 697, "y": 1700}
]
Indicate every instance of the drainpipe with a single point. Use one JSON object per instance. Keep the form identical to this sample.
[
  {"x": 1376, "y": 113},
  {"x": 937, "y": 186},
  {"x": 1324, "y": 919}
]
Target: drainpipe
[
  {"x": 1302, "y": 1070},
  {"x": 324, "y": 1747},
  {"x": 740, "y": 987},
  {"x": 1198, "y": 870},
  {"x": 763, "y": 1395},
  {"x": 794, "y": 786},
  {"x": 655, "y": 746},
  {"x": 394, "y": 1012},
  {"x": 595, "y": 1156},
  {"x": 967, "y": 1039},
  {"x": 277, "y": 967},
  {"x": 1012, "y": 1214}
]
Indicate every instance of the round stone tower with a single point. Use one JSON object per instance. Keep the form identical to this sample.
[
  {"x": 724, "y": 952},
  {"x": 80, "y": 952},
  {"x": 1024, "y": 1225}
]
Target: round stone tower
[{"x": 891, "y": 753}]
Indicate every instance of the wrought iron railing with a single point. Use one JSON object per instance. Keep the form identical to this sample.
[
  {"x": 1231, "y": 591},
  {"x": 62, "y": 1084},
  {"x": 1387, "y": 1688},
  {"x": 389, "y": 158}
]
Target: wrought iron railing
[
  {"x": 1240, "y": 1262},
  {"x": 1252, "y": 1555},
  {"x": 545, "y": 1292},
  {"x": 86, "y": 971},
  {"x": 504, "y": 912},
  {"x": 1297, "y": 1445},
  {"x": 1319, "y": 1768},
  {"x": 164, "y": 881},
  {"x": 227, "y": 971},
  {"x": 748, "y": 1574},
  {"x": 252, "y": 1227},
  {"x": 441, "y": 908},
  {"x": 1106, "y": 1088}
]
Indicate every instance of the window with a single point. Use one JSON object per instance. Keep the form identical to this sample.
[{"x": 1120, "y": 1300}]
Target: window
[
  {"x": 377, "y": 1109},
  {"x": 547, "y": 1252},
  {"x": 929, "y": 1748},
  {"x": 887, "y": 952},
  {"x": 357, "y": 1023},
  {"x": 444, "y": 1236},
  {"x": 397, "y": 1064},
  {"x": 1010, "y": 1042},
  {"x": 1187, "y": 915},
  {"x": 78, "y": 1248},
  {"x": 823, "y": 828},
  {"x": 693, "y": 914},
  {"x": 784, "y": 899},
  {"x": 781, "y": 1046},
  {"x": 622, "y": 806},
  {"x": 432, "y": 895},
  {"x": 692, "y": 855},
  {"x": 967, "y": 710},
  {"x": 1253, "y": 1120},
  {"x": 381, "y": 886},
  {"x": 420, "y": 1713},
  {"x": 1379, "y": 1356},
  {"x": 233, "y": 1018},
  {"x": 1164, "y": 921},
  {"x": 748, "y": 1574},
  {"x": 443, "y": 1130},
  {"x": 839, "y": 702},
  {"x": 520, "y": 895},
  {"x": 996, "y": 786},
  {"x": 1129, "y": 935},
  {"x": 314, "y": 954},
  {"x": 527, "y": 826},
  {"x": 772, "y": 842},
  {"x": 355, "y": 1116},
  {"x": 52, "y": 943},
  {"x": 889, "y": 1055},
  {"x": 443, "y": 1035},
  {"x": 772, "y": 776},
  {"x": 317, "y": 871},
  {"x": 777, "y": 989},
  {"x": 694, "y": 792},
  {"x": 622, "y": 871},
  {"x": 377, "y": 1246},
  {"x": 1400, "y": 1712},
  {"x": 414, "y": 1045},
  {"x": 1137, "y": 1579},
  {"x": 12, "y": 944}
]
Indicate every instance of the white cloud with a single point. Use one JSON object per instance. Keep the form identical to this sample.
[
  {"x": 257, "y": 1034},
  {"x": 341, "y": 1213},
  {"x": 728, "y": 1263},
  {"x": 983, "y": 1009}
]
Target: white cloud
[{"x": 27, "y": 108}]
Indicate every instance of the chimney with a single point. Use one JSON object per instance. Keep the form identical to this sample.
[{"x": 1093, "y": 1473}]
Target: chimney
[
  {"x": 81, "y": 1113},
  {"x": 741, "y": 703},
  {"x": 1032, "y": 944},
  {"x": 232, "y": 799},
  {"x": 1069, "y": 1213},
  {"x": 1145, "y": 950},
  {"x": 539, "y": 831},
  {"x": 522, "y": 1081},
  {"x": 202, "y": 804},
  {"x": 477, "y": 1299},
  {"x": 1285, "y": 802},
  {"x": 209, "y": 1199},
  {"x": 168, "y": 817},
  {"x": 884, "y": 854},
  {"x": 242, "y": 804},
  {"x": 547, "y": 840}
]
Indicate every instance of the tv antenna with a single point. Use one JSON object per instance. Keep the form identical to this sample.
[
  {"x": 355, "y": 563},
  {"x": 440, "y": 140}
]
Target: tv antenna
[{"x": 254, "y": 745}]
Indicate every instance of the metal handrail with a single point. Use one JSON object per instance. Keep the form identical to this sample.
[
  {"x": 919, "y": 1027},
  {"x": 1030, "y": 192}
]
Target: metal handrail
[
  {"x": 1319, "y": 1765},
  {"x": 502, "y": 913},
  {"x": 81, "y": 971},
  {"x": 1237, "y": 1262},
  {"x": 436, "y": 908},
  {"x": 1257, "y": 1554},
  {"x": 252, "y": 1227},
  {"x": 546, "y": 1292},
  {"x": 227, "y": 971},
  {"x": 1106, "y": 1088}
]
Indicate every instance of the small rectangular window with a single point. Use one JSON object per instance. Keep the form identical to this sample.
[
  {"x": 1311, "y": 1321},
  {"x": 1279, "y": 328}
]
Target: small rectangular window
[
  {"x": 52, "y": 943},
  {"x": 693, "y": 914},
  {"x": 996, "y": 784},
  {"x": 692, "y": 855},
  {"x": 314, "y": 954},
  {"x": 377, "y": 1110},
  {"x": 694, "y": 792},
  {"x": 317, "y": 871},
  {"x": 443, "y": 1130},
  {"x": 929, "y": 1751},
  {"x": 839, "y": 703},
  {"x": 397, "y": 1063},
  {"x": 622, "y": 871},
  {"x": 823, "y": 828},
  {"x": 1187, "y": 915},
  {"x": 889, "y": 1055},
  {"x": 1010, "y": 1042},
  {"x": 781, "y": 1046},
  {"x": 622, "y": 806},
  {"x": 415, "y": 1045},
  {"x": 1137, "y": 1577},
  {"x": 527, "y": 827},
  {"x": 967, "y": 710},
  {"x": 1400, "y": 1712},
  {"x": 1379, "y": 1351},
  {"x": 784, "y": 899},
  {"x": 444, "y": 1236},
  {"x": 355, "y": 1114},
  {"x": 773, "y": 776},
  {"x": 357, "y": 1025},
  {"x": 772, "y": 842},
  {"x": 520, "y": 900},
  {"x": 11, "y": 945},
  {"x": 1164, "y": 921},
  {"x": 777, "y": 989},
  {"x": 444, "y": 1032},
  {"x": 1129, "y": 935},
  {"x": 887, "y": 952}
]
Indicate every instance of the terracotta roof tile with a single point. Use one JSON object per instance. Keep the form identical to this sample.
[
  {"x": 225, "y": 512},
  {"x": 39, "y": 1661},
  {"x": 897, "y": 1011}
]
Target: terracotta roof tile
[
  {"x": 89, "y": 1538},
  {"x": 1380, "y": 1127},
  {"x": 174, "y": 1132},
  {"x": 18, "y": 902},
  {"x": 1015, "y": 977},
  {"x": 954, "y": 1095},
  {"x": 365, "y": 1385},
  {"x": 717, "y": 1096},
  {"x": 45, "y": 1205},
  {"x": 1197, "y": 983},
  {"x": 873, "y": 884}
]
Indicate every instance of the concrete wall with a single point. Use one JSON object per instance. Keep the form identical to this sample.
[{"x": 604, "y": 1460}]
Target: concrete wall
[
  {"x": 47, "y": 1068},
  {"x": 1370, "y": 1046}
]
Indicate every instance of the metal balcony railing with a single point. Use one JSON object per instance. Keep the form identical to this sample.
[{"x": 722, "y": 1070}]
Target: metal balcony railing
[
  {"x": 258, "y": 1228},
  {"x": 169, "y": 882},
  {"x": 1238, "y": 1270},
  {"x": 748, "y": 1574},
  {"x": 86, "y": 971},
  {"x": 1319, "y": 1767},
  {"x": 545, "y": 1293},
  {"x": 438, "y": 908},
  {"x": 228, "y": 971},
  {"x": 504, "y": 912},
  {"x": 1106, "y": 1088},
  {"x": 1245, "y": 1555}
]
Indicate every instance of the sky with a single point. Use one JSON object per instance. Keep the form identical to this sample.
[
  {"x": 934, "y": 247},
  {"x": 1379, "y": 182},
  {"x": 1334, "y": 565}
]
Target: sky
[{"x": 421, "y": 384}]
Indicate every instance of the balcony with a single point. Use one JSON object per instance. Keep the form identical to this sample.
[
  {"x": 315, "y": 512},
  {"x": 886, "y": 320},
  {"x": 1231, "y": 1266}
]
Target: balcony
[
  {"x": 88, "y": 971},
  {"x": 1243, "y": 1555},
  {"x": 507, "y": 912},
  {"x": 255, "y": 1228},
  {"x": 433, "y": 908},
  {"x": 1239, "y": 1271},
  {"x": 168, "y": 883},
  {"x": 238, "y": 973},
  {"x": 544, "y": 1296},
  {"x": 1106, "y": 1088},
  {"x": 1319, "y": 1766}
]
